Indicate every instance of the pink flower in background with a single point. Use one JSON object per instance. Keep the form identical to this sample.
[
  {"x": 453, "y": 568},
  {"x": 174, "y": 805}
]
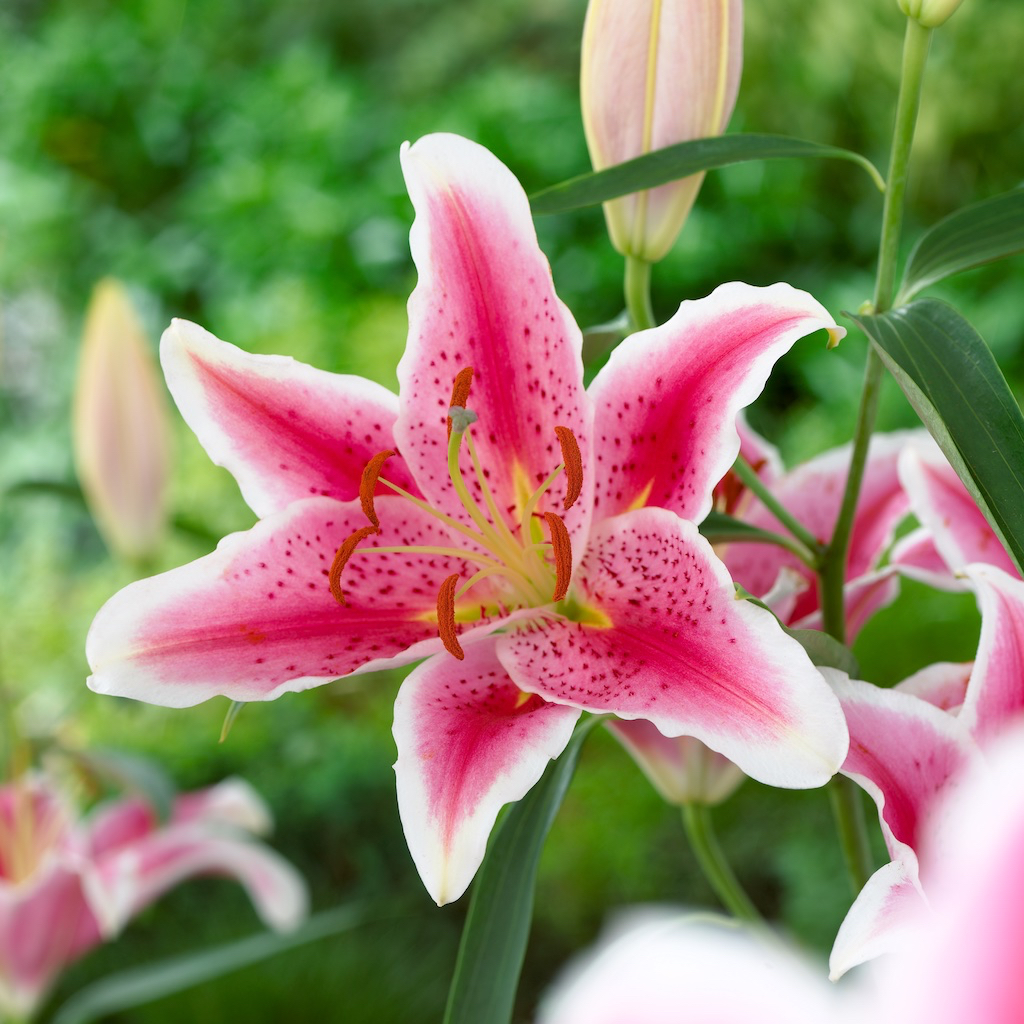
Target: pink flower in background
[
  {"x": 813, "y": 492},
  {"x": 960, "y": 961},
  {"x": 908, "y": 747},
  {"x": 532, "y": 540},
  {"x": 654, "y": 73},
  {"x": 66, "y": 885}
]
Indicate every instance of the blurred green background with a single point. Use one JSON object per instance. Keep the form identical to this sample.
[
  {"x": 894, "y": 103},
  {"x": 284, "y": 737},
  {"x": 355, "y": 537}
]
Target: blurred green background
[{"x": 236, "y": 163}]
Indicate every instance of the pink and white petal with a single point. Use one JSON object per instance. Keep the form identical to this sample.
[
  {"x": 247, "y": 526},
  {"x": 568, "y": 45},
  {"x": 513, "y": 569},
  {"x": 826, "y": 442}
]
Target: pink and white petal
[
  {"x": 884, "y": 917},
  {"x": 667, "y": 400},
  {"x": 904, "y": 752},
  {"x": 118, "y": 824},
  {"x": 661, "y": 967},
  {"x": 966, "y": 964},
  {"x": 136, "y": 876},
  {"x": 943, "y": 505},
  {"x": 917, "y": 558},
  {"x": 45, "y": 924},
  {"x": 256, "y": 618},
  {"x": 682, "y": 769},
  {"x": 284, "y": 430},
  {"x": 943, "y": 684},
  {"x": 485, "y": 299},
  {"x": 469, "y": 742},
  {"x": 995, "y": 693},
  {"x": 863, "y": 597},
  {"x": 731, "y": 494},
  {"x": 232, "y": 802},
  {"x": 675, "y": 647}
]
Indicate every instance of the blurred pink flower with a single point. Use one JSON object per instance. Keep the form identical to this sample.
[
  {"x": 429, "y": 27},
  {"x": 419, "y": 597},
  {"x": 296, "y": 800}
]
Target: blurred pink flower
[
  {"x": 654, "y": 73},
  {"x": 66, "y": 885},
  {"x": 121, "y": 428},
  {"x": 543, "y": 558}
]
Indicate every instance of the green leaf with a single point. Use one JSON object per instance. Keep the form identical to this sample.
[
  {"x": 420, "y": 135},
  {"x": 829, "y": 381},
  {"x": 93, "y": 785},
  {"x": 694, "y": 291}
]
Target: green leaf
[
  {"x": 679, "y": 161},
  {"x": 825, "y": 650},
  {"x": 141, "y": 985},
  {"x": 720, "y": 528},
  {"x": 951, "y": 378},
  {"x": 128, "y": 773},
  {"x": 980, "y": 233},
  {"x": 498, "y": 923}
]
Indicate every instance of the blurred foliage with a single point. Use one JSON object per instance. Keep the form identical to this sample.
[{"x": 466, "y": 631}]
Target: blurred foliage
[{"x": 236, "y": 162}]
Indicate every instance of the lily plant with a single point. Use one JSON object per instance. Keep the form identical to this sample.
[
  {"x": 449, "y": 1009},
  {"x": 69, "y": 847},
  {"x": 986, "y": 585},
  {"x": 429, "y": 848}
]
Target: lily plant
[
  {"x": 69, "y": 883},
  {"x": 531, "y": 543}
]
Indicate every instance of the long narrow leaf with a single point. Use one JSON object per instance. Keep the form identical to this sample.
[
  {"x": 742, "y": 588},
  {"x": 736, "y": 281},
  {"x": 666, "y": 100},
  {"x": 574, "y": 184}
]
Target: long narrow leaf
[
  {"x": 951, "y": 378},
  {"x": 141, "y": 985},
  {"x": 498, "y": 923},
  {"x": 720, "y": 528},
  {"x": 977, "y": 234},
  {"x": 681, "y": 160}
]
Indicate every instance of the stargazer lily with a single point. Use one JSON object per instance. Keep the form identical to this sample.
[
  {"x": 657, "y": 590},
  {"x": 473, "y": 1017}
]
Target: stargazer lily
[
  {"x": 67, "y": 885},
  {"x": 909, "y": 745},
  {"x": 533, "y": 541}
]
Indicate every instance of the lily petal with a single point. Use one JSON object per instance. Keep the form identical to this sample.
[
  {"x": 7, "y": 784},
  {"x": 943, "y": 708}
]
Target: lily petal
[
  {"x": 256, "y": 617},
  {"x": 883, "y": 917},
  {"x": 665, "y": 639},
  {"x": 943, "y": 684},
  {"x": 667, "y": 400},
  {"x": 903, "y": 753},
  {"x": 995, "y": 693},
  {"x": 469, "y": 742},
  {"x": 485, "y": 299},
  {"x": 284, "y": 430},
  {"x": 943, "y": 505}
]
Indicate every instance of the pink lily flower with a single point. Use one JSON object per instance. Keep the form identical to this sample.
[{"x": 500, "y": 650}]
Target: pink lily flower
[
  {"x": 909, "y": 745},
  {"x": 961, "y": 961},
  {"x": 67, "y": 885},
  {"x": 532, "y": 540},
  {"x": 813, "y": 492}
]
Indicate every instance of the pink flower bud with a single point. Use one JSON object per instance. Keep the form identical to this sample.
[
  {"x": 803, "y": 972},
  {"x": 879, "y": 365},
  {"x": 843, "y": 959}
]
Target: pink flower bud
[
  {"x": 120, "y": 428},
  {"x": 654, "y": 73}
]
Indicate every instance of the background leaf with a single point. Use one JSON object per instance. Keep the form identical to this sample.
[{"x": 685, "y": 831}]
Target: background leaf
[
  {"x": 142, "y": 985},
  {"x": 498, "y": 923},
  {"x": 679, "y": 161},
  {"x": 977, "y": 234},
  {"x": 951, "y": 378}
]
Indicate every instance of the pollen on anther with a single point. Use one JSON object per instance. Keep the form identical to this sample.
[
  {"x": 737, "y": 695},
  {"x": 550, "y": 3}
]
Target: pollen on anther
[
  {"x": 561, "y": 546},
  {"x": 343, "y": 554},
  {"x": 573, "y": 462},
  {"x": 368, "y": 483},
  {"x": 446, "y": 617},
  {"x": 460, "y": 391}
]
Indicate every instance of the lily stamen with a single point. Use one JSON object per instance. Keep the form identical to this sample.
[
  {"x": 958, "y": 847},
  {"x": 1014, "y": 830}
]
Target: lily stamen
[{"x": 446, "y": 617}]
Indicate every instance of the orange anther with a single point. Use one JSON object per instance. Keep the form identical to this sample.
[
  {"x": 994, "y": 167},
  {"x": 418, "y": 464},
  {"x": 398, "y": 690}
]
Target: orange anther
[
  {"x": 460, "y": 391},
  {"x": 573, "y": 463},
  {"x": 368, "y": 483},
  {"x": 446, "y": 617},
  {"x": 344, "y": 553},
  {"x": 562, "y": 548}
]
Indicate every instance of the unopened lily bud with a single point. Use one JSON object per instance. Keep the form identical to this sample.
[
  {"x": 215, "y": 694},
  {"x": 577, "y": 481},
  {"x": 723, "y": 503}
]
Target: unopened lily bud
[
  {"x": 121, "y": 427},
  {"x": 654, "y": 73},
  {"x": 930, "y": 13},
  {"x": 682, "y": 769}
]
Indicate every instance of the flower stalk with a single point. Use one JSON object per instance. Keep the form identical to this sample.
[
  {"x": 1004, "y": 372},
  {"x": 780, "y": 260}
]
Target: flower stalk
[{"x": 849, "y": 812}]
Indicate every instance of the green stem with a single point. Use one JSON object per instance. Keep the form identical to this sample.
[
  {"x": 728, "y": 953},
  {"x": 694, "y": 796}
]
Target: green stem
[
  {"x": 847, "y": 804},
  {"x": 847, "y": 801},
  {"x": 699, "y": 831},
  {"x": 753, "y": 482},
  {"x": 638, "y": 293}
]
